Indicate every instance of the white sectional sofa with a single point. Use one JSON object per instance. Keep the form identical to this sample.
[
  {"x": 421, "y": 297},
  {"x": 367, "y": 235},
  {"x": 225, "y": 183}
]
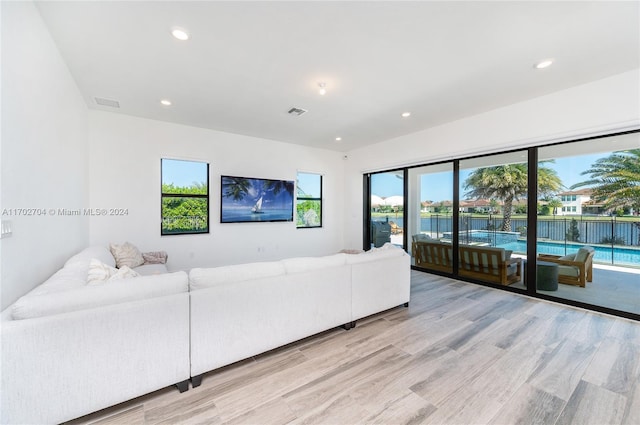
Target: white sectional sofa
[
  {"x": 69, "y": 349},
  {"x": 243, "y": 310}
]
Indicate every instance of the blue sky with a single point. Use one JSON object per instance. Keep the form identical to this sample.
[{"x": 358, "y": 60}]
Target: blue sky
[
  {"x": 437, "y": 186},
  {"x": 310, "y": 184},
  {"x": 183, "y": 173}
]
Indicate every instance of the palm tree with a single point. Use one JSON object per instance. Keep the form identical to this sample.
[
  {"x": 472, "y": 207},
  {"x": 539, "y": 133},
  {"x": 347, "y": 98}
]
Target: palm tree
[
  {"x": 554, "y": 204},
  {"x": 494, "y": 206},
  {"x": 509, "y": 183},
  {"x": 277, "y": 186},
  {"x": 615, "y": 180},
  {"x": 235, "y": 187}
]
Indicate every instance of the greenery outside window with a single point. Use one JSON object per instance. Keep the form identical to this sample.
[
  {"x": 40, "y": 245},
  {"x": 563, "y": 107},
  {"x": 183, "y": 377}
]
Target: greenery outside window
[
  {"x": 309, "y": 200},
  {"x": 185, "y": 197}
]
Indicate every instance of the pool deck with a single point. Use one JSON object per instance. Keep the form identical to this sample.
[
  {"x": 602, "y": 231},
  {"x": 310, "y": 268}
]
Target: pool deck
[{"x": 612, "y": 287}]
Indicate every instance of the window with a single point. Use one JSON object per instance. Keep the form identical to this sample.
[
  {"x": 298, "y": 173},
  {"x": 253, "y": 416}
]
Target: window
[
  {"x": 309, "y": 200},
  {"x": 185, "y": 197}
]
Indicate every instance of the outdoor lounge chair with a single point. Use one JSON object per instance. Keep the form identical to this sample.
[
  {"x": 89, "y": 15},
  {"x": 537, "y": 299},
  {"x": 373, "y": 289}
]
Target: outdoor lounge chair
[
  {"x": 573, "y": 269},
  {"x": 395, "y": 229},
  {"x": 489, "y": 264}
]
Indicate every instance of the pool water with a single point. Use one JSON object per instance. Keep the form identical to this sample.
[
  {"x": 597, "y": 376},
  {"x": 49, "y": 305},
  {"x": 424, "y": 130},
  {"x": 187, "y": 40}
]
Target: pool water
[
  {"x": 620, "y": 256},
  {"x": 481, "y": 236}
]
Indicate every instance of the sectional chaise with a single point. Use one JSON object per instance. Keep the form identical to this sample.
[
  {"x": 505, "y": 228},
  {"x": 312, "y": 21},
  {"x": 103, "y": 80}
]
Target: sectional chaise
[{"x": 69, "y": 348}]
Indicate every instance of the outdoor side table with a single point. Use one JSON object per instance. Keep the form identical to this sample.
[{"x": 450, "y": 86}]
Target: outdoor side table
[{"x": 547, "y": 276}]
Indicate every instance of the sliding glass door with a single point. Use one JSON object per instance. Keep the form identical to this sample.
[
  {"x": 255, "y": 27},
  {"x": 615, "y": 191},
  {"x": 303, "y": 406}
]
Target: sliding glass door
[
  {"x": 430, "y": 216},
  {"x": 493, "y": 217},
  {"x": 590, "y": 229},
  {"x": 387, "y": 209},
  {"x": 558, "y": 222}
]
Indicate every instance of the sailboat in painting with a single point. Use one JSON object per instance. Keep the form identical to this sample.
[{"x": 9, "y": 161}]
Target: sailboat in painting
[{"x": 257, "y": 208}]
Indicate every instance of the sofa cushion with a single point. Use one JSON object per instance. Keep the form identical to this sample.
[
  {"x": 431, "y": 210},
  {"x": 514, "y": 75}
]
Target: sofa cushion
[
  {"x": 572, "y": 271},
  {"x": 481, "y": 257},
  {"x": 126, "y": 254},
  {"x": 204, "y": 278},
  {"x": 84, "y": 257},
  {"x": 375, "y": 254},
  {"x": 568, "y": 257},
  {"x": 151, "y": 269},
  {"x": 305, "y": 264},
  {"x": 583, "y": 253},
  {"x": 422, "y": 237},
  {"x": 67, "y": 278},
  {"x": 92, "y": 296}
]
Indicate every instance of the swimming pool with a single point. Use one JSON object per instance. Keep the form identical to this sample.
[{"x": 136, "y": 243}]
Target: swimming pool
[
  {"x": 620, "y": 256},
  {"x": 482, "y": 236}
]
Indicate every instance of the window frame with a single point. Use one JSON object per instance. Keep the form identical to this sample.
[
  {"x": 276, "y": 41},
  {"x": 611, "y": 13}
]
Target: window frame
[
  {"x": 319, "y": 199},
  {"x": 163, "y": 196}
]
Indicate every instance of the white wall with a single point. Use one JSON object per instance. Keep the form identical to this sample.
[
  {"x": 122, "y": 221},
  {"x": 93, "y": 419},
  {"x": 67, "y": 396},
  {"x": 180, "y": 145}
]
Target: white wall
[
  {"x": 44, "y": 153},
  {"x": 607, "y": 105},
  {"x": 125, "y": 155}
]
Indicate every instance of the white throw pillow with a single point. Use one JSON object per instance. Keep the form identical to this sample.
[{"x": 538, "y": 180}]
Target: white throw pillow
[
  {"x": 123, "y": 273},
  {"x": 126, "y": 255},
  {"x": 100, "y": 272}
]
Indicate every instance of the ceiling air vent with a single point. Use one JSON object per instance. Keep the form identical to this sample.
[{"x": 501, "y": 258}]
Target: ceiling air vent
[
  {"x": 107, "y": 102},
  {"x": 297, "y": 111}
]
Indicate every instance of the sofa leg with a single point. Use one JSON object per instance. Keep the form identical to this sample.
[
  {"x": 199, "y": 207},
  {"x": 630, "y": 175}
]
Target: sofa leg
[
  {"x": 346, "y": 326},
  {"x": 406, "y": 304},
  {"x": 196, "y": 381},
  {"x": 183, "y": 386},
  {"x": 353, "y": 324}
]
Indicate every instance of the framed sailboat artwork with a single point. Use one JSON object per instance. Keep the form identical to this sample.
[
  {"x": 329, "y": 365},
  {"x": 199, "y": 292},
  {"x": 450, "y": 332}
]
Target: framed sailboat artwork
[{"x": 245, "y": 199}]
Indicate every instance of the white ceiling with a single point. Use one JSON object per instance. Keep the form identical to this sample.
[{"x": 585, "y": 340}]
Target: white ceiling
[{"x": 248, "y": 63}]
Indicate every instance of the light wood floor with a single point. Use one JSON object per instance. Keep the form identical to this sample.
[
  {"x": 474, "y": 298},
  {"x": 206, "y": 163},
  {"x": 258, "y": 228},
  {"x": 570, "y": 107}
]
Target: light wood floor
[{"x": 460, "y": 354}]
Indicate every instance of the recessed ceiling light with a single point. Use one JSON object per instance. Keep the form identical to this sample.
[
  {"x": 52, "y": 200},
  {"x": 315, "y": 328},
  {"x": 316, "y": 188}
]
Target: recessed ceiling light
[
  {"x": 180, "y": 34},
  {"x": 406, "y": 114},
  {"x": 543, "y": 64},
  {"x": 338, "y": 139},
  {"x": 323, "y": 88},
  {"x": 166, "y": 102}
]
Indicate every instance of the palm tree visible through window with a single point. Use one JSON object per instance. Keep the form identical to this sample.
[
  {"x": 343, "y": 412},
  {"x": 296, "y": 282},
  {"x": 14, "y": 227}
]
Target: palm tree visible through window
[
  {"x": 508, "y": 183},
  {"x": 615, "y": 180}
]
